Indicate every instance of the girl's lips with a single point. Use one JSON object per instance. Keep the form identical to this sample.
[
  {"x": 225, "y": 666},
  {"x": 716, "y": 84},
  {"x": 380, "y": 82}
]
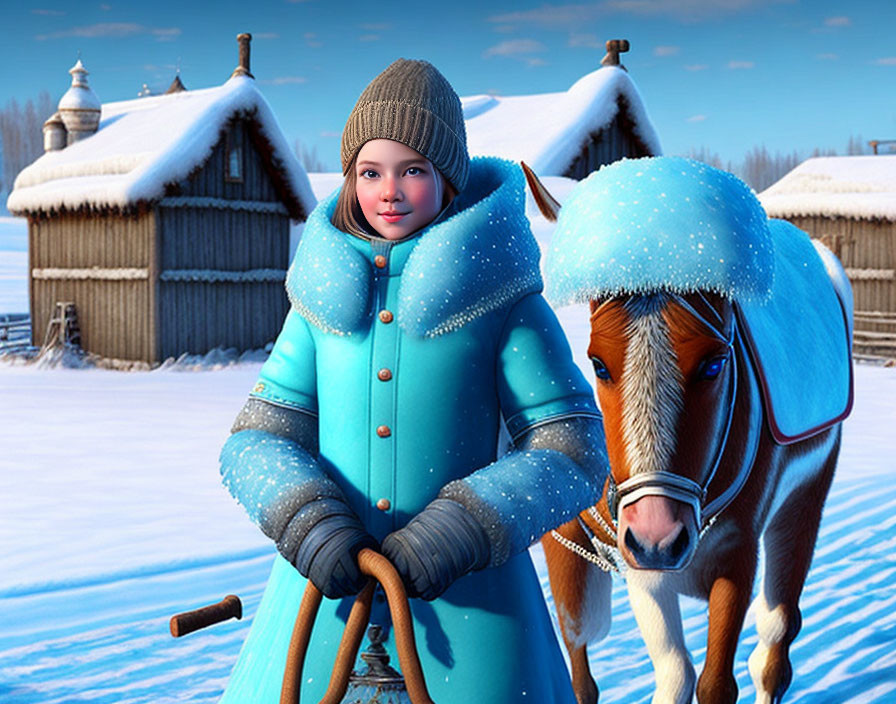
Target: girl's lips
[{"x": 392, "y": 217}]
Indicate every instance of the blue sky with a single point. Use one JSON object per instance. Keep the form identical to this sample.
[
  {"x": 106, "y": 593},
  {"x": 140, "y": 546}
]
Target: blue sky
[{"x": 721, "y": 74}]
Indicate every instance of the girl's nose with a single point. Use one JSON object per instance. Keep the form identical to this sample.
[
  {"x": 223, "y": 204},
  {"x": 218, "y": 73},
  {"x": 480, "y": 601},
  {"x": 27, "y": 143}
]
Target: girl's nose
[{"x": 390, "y": 190}]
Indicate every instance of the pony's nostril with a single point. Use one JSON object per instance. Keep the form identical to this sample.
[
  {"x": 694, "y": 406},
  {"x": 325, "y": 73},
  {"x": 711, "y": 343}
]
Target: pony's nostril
[
  {"x": 679, "y": 546},
  {"x": 634, "y": 545},
  {"x": 670, "y": 557}
]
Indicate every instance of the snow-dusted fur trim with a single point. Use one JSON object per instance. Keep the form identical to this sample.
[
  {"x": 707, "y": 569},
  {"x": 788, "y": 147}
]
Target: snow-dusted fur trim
[
  {"x": 329, "y": 281},
  {"x": 660, "y": 224},
  {"x": 480, "y": 259}
]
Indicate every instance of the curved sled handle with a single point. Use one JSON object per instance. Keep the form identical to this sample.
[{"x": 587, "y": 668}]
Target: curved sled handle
[
  {"x": 189, "y": 621},
  {"x": 380, "y": 570}
]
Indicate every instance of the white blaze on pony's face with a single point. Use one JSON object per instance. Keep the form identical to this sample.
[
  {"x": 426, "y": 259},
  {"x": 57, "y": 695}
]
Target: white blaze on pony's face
[{"x": 663, "y": 385}]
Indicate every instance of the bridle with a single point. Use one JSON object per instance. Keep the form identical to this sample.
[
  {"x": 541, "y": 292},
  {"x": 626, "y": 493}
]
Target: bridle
[{"x": 668, "y": 484}]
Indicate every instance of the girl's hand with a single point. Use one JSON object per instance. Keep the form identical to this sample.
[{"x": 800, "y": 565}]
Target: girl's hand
[
  {"x": 440, "y": 544},
  {"x": 328, "y": 553}
]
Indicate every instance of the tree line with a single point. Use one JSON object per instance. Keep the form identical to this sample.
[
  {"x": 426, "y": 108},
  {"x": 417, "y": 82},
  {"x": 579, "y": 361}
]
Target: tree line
[
  {"x": 21, "y": 142},
  {"x": 760, "y": 168},
  {"x": 21, "y": 136}
]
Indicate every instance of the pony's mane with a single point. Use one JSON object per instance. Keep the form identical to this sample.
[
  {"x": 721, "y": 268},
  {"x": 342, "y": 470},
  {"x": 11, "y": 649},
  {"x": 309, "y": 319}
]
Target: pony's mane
[{"x": 660, "y": 224}]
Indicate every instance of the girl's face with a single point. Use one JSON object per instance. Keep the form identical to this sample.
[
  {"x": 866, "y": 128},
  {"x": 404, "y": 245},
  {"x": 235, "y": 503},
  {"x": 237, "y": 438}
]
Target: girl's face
[{"x": 398, "y": 189}]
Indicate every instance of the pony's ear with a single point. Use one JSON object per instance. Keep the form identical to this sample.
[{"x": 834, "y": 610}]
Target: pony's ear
[{"x": 547, "y": 204}]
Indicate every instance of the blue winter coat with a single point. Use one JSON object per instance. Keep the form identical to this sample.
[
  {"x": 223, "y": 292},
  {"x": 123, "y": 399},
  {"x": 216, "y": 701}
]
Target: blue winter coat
[{"x": 411, "y": 354}]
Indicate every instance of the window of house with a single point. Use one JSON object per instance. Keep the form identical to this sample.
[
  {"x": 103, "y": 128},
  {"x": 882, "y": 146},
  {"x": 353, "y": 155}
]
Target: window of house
[{"x": 234, "y": 162}]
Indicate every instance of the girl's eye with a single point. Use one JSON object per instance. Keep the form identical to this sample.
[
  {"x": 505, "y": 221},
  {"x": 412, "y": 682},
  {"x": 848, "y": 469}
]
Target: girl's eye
[
  {"x": 600, "y": 369},
  {"x": 414, "y": 171},
  {"x": 711, "y": 367},
  {"x": 369, "y": 173}
]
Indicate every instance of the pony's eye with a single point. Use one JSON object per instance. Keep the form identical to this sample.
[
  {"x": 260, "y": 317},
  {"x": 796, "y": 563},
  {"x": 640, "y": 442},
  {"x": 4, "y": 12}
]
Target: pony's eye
[
  {"x": 712, "y": 367},
  {"x": 600, "y": 369}
]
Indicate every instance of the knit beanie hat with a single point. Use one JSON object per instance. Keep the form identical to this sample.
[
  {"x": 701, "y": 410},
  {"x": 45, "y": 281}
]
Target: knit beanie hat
[{"x": 412, "y": 103}]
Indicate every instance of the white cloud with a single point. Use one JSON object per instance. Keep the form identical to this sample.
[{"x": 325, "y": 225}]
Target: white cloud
[
  {"x": 827, "y": 57},
  {"x": 571, "y": 16},
  {"x": 736, "y": 65},
  {"x": 369, "y": 38},
  {"x": 168, "y": 34},
  {"x": 265, "y": 35},
  {"x": 48, "y": 13},
  {"x": 696, "y": 118},
  {"x": 696, "y": 67},
  {"x": 589, "y": 41},
  {"x": 285, "y": 80},
  {"x": 688, "y": 10},
  {"x": 376, "y": 26},
  {"x": 330, "y": 133},
  {"x": 103, "y": 30},
  {"x": 515, "y": 48},
  {"x": 840, "y": 21},
  {"x": 666, "y": 50},
  {"x": 886, "y": 61}
]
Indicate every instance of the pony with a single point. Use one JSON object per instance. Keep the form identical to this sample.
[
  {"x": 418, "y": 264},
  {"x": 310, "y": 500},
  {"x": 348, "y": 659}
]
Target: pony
[{"x": 722, "y": 410}]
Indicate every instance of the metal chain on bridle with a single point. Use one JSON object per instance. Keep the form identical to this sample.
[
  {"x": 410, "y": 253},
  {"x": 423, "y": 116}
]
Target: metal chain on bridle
[{"x": 608, "y": 557}]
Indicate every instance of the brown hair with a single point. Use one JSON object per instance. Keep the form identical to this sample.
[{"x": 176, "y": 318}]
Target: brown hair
[{"x": 348, "y": 217}]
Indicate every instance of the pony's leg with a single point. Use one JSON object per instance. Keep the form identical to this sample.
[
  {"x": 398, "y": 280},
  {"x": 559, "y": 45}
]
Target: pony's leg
[
  {"x": 655, "y": 605},
  {"x": 789, "y": 543},
  {"x": 729, "y": 598},
  {"x": 582, "y": 597}
]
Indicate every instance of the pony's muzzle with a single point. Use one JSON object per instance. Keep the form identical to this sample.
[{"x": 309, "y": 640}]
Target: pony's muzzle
[{"x": 658, "y": 528}]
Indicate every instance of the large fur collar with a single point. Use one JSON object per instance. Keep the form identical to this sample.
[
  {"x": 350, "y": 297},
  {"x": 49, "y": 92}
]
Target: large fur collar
[{"x": 480, "y": 259}]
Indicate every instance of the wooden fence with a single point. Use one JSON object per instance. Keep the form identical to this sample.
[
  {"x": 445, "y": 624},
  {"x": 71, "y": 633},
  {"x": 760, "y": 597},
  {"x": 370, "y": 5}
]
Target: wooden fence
[{"x": 15, "y": 332}]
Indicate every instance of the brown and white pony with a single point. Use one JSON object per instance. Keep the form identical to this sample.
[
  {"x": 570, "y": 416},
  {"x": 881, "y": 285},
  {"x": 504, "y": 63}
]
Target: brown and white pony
[{"x": 696, "y": 481}]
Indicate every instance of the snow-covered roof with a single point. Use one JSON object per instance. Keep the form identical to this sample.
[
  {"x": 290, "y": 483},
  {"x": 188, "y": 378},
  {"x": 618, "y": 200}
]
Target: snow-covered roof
[
  {"x": 861, "y": 187},
  {"x": 144, "y": 144},
  {"x": 547, "y": 130}
]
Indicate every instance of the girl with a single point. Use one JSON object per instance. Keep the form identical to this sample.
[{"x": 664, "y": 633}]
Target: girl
[{"x": 417, "y": 333}]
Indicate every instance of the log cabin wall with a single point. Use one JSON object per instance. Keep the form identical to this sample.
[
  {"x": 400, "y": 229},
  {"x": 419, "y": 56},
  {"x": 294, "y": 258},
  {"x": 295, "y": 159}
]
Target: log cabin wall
[
  {"x": 223, "y": 238},
  {"x": 104, "y": 264},
  {"x": 612, "y": 143},
  {"x": 867, "y": 250}
]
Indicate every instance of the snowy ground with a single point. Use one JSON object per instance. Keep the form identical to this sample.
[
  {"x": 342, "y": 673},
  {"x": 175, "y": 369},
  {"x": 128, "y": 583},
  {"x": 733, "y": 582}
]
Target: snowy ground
[
  {"x": 13, "y": 265},
  {"x": 112, "y": 518}
]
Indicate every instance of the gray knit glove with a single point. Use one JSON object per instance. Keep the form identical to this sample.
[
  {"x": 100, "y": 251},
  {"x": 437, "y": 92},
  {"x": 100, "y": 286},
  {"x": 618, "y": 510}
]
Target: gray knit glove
[
  {"x": 440, "y": 544},
  {"x": 323, "y": 541}
]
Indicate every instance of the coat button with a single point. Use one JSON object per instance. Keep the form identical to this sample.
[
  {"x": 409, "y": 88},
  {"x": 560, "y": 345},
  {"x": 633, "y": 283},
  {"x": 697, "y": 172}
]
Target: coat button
[
  {"x": 380, "y": 261},
  {"x": 384, "y": 374},
  {"x": 384, "y": 431},
  {"x": 384, "y": 504},
  {"x": 386, "y": 316}
]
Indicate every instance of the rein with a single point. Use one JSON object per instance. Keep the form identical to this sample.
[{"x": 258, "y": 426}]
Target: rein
[{"x": 669, "y": 484}]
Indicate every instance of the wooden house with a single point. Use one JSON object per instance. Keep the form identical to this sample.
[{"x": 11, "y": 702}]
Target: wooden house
[
  {"x": 601, "y": 118},
  {"x": 849, "y": 203},
  {"x": 165, "y": 219}
]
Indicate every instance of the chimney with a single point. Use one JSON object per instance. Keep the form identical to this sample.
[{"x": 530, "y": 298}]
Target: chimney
[
  {"x": 243, "y": 68},
  {"x": 79, "y": 108},
  {"x": 55, "y": 135},
  {"x": 615, "y": 47}
]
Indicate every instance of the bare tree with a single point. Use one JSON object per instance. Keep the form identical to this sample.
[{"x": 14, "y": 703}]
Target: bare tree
[
  {"x": 760, "y": 169},
  {"x": 709, "y": 157},
  {"x": 855, "y": 146},
  {"x": 309, "y": 158},
  {"x": 21, "y": 137}
]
